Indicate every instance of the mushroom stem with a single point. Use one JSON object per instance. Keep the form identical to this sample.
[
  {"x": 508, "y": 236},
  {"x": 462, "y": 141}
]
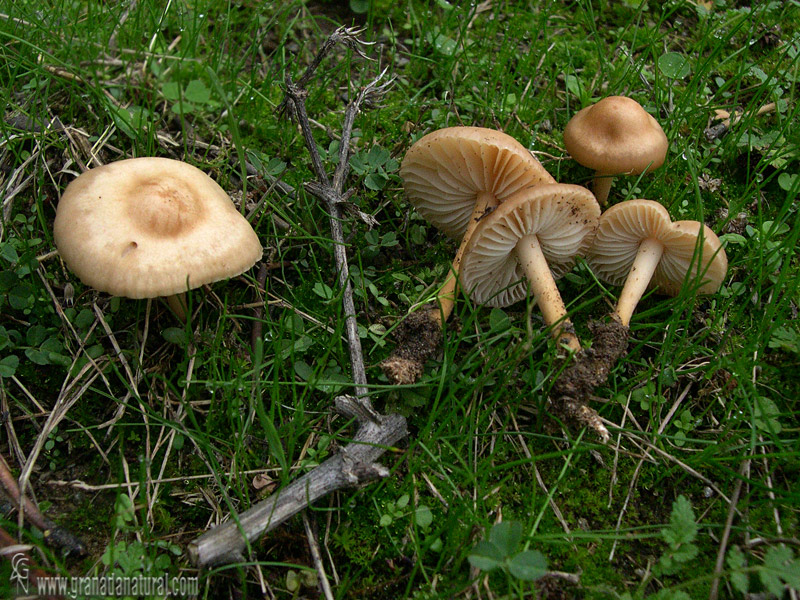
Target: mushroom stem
[
  {"x": 644, "y": 265},
  {"x": 532, "y": 260},
  {"x": 448, "y": 292},
  {"x": 177, "y": 303},
  {"x": 601, "y": 186}
]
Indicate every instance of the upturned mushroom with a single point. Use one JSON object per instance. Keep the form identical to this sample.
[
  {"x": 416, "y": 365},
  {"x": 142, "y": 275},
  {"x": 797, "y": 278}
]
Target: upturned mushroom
[
  {"x": 638, "y": 245},
  {"x": 527, "y": 242},
  {"x": 615, "y": 136},
  {"x": 454, "y": 177},
  {"x": 148, "y": 227}
]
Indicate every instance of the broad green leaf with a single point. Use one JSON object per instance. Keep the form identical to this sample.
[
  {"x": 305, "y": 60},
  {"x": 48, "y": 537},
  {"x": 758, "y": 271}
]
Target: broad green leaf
[
  {"x": 506, "y": 536},
  {"x": 780, "y": 568},
  {"x": 787, "y": 180},
  {"x": 332, "y": 383},
  {"x": 174, "y": 335},
  {"x": 674, "y": 65},
  {"x": 35, "y": 335},
  {"x": 359, "y": 6},
  {"x": 528, "y": 566},
  {"x": 8, "y": 366},
  {"x": 377, "y": 156},
  {"x": 197, "y": 92},
  {"x": 498, "y": 320},
  {"x": 323, "y": 290},
  {"x": 171, "y": 90},
  {"x": 765, "y": 413},
  {"x": 8, "y": 252},
  {"x": 486, "y": 556},
  {"x": 423, "y": 516},
  {"x": 303, "y": 370},
  {"x": 376, "y": 181}
]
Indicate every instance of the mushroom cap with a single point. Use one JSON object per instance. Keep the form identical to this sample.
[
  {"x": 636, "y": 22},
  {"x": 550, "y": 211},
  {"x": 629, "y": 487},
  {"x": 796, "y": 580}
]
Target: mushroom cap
[
  {"x": 147, "y": 227},
  {"x": 625, "y": 225},
  {"x": 616, "y": 135},
  {"x": 562, "y": 216},
  {"x": 444, "y": 171}
]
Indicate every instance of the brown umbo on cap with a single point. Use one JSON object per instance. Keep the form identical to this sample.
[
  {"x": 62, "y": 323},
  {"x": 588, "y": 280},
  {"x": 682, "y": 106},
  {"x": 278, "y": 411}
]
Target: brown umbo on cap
[
  {"x": 615, "y": 136},
  {"x": 148, "y": 227}
]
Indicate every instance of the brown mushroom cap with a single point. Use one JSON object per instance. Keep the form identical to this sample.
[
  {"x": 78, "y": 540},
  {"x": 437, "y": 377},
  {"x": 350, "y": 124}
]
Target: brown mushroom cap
[
  {"x": 614, "y": 136},
  {"x": 444, "y": 171},
  {"x": 625, "y": 225},
  {"x": 563, "y": 218},
  {"x": 149, "y": 227}
]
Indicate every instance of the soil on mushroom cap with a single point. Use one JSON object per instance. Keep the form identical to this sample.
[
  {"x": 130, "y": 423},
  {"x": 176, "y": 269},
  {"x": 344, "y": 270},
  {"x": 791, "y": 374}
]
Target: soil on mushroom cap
[{"x": 418, "y": 337}]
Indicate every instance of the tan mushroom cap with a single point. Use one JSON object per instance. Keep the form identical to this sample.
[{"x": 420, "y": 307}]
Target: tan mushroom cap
[
  {"x": 563, "y": 218},
  {"x": 147, "y": 227},
  {"x": 444, "y": 171},
  {"x": 614, "y": 136},
  {"x": 624, "y": 226}
]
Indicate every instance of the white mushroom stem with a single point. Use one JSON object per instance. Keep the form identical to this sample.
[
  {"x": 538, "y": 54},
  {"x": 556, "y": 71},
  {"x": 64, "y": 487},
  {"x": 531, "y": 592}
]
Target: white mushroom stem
[
  {"x": 532, "y": 260},
  {"x": 601, "y": 186},
  {"x": 644, "y": 265},
  {"x": 448, "y": 292}
]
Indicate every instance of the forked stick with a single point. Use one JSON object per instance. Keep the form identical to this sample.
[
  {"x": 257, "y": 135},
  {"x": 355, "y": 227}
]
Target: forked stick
[{"x": 355, "y": 463}]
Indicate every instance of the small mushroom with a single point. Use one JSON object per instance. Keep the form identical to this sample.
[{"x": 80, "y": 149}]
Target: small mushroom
[
  {"x": 637, "y": 245},
  {"x": 455, "y": 177},
  {"x": 530, "y": 240},
  {"x": 615, "y": 136},
  {"x": 148, "y": 227}
]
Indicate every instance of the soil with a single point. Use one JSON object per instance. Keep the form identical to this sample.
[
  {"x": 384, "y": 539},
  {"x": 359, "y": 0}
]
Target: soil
[
  {"x": 592, "y": 365},
  {"x": 577, "y": 383},
  {"x": 418, "y": 337}
]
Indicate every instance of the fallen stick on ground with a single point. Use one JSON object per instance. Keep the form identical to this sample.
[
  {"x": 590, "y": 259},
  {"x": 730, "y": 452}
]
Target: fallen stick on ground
[
  {"x": 355, "y": 464},
  {"x": 54, "y": 535}
]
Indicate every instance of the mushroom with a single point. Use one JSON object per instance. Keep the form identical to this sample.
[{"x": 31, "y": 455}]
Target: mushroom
[
  {"x": 530, "y": 240},
  {"x": 147, "y": 227},
  {"x": 637, "y": 244},
  {"x": 454, "y": 177},
  {"x": 615, "y": 136}
]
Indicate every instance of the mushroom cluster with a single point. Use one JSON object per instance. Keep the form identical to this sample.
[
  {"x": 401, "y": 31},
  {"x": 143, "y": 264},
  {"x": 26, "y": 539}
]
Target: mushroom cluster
[
  {"x": 151, "y": 227},
  {"x": 455, "y": 177},
  {"x": 520, "y": 230}
]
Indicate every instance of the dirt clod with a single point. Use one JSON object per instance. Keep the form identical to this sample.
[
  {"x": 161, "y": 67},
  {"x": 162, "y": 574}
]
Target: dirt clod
[
  {"x": 589, "y": 370},
  {"x": 592, "y": 365},
  {"x": 418, "y": 337}
]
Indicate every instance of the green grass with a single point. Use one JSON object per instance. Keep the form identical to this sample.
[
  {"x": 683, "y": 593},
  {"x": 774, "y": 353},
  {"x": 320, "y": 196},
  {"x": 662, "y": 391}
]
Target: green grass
[{"x": 200, "y": 81}]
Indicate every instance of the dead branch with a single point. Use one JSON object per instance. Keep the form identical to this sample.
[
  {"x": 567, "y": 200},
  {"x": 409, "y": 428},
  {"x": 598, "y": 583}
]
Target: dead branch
[
  {"x": 54, "y": 534},
  {"x": 355, "y": 464}
]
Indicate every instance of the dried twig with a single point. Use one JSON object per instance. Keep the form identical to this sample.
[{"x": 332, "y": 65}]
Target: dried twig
[
  {"x": 317, "y": 558},
  {"x": 54, "y": 535},
  {"x": 723, "y": 545},
  {"x": 355, "y": 463},
  {"x": 728, "y": 120}
]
